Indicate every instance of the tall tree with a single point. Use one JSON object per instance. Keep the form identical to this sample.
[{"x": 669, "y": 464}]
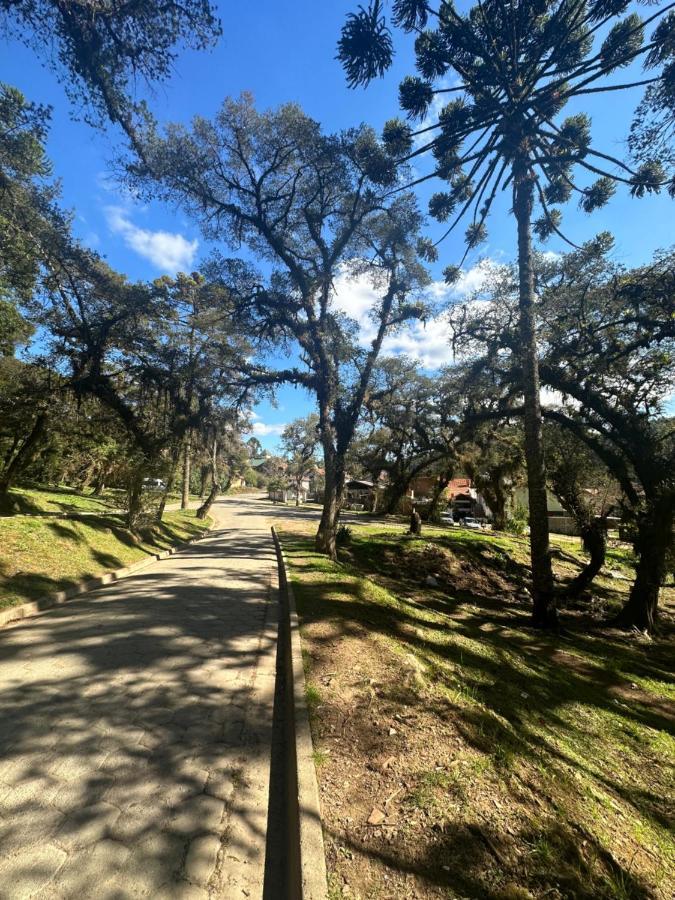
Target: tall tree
[
  {"x": 608, "y": 343},
  {"x": 227, "y": 455},
  {"x": 27, "y": 197},
  {"x": 408, "y": 429},
  {"x": 158, "y": 355},
  {"x": 517, "y": 66},
  {"x": 310, "y": 207}
]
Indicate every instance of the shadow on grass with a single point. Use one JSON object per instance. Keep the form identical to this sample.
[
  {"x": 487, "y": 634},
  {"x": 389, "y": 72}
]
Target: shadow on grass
[
  {"x": 26, "y": 586},
  {"x": 537, "y": 707}
]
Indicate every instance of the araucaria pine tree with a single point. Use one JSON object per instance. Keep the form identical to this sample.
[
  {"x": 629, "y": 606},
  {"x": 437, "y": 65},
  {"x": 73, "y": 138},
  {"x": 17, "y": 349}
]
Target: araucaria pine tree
[{"x": 512, "y": 67}]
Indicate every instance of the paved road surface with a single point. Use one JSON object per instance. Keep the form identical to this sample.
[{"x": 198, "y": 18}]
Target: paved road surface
[{"x": 135, "y": 729}]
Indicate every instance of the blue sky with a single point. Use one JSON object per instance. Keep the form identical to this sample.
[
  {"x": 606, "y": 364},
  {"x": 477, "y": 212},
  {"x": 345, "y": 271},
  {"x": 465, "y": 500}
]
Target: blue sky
[{"x": 284, "y": 51}]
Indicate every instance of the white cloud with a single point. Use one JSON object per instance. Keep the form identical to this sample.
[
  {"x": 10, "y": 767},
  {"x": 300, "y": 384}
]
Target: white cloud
[
  {"x": 262, "y": 429},
  {"x": 472, "y": 280},
  {"x": 168, "y": 251},
  {"x": 427, "y": 343}
]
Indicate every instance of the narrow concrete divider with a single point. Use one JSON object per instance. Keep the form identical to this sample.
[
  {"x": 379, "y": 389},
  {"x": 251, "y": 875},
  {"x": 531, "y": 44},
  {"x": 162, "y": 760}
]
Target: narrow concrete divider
[
  {"x": 35, "y": 607},
  {"x": 305, "y": 873}
]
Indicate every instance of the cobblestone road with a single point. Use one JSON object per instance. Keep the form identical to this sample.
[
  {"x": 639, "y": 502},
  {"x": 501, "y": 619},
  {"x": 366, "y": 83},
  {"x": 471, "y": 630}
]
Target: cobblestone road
[{"x": 135, "y": 729}]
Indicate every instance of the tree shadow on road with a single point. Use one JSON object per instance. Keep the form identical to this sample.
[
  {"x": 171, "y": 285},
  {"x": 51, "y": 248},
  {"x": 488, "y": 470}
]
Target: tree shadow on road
[{"x": 129, "y": 719}]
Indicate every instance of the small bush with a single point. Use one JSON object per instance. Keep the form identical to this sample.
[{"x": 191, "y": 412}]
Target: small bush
[
  {"x": 343, "y": 536},
  {"x": 516, "y": 522}
]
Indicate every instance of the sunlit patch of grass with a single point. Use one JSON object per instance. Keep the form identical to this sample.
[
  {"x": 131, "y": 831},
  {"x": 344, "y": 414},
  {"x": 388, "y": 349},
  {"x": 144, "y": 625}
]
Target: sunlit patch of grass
[
  {"x": 40, "y": 555},
  {"x": 320, "y": 757}
]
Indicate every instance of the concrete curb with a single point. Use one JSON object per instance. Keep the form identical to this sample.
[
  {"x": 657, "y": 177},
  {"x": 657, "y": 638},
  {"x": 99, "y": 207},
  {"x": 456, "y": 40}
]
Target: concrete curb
[
  {"x": 48, "y": 601},
  {"x": 310, "y": 881}
]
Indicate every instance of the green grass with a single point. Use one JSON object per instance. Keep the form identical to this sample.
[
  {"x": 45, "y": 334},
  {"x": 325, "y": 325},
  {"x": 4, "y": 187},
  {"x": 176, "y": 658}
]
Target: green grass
[
  {"x": 41, "y": 555},
  {"x": 65, "y": 499},
  {"x": 562, "y": 747},
  {"x": 30, "y": 500}
]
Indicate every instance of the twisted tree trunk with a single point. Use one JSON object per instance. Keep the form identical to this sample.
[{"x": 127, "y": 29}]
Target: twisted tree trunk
[
  {"x": 24, "y": 454},
  {"x": 653, "y": 545},
  {"x": 205, "y": 508},
  {"x": 443, "y": 481},
  {"x": 332, "y": 502},
  {"x": 170, "y": 481},
  {"x": 594, "y": 538},
  {"x": 135, "y": 500}
]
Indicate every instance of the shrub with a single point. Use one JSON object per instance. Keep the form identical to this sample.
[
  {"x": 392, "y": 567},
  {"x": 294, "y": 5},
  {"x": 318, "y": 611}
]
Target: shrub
[
  {"x": 343, "y": 536},
  {"x": 517, "y": 521}
]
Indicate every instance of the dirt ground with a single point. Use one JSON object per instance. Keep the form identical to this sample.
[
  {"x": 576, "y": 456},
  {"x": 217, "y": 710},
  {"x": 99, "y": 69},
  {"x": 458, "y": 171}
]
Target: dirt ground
[{"x": 462, "y": 755}]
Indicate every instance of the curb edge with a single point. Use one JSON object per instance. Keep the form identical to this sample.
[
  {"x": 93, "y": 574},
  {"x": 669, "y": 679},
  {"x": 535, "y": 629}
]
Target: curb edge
[{"x": 313, "y": 875}]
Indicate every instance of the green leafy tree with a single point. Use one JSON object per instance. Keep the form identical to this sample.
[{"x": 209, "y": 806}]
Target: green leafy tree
[
  {"x": 586, "y": 489},
  {"x": 158, "y": 355},
  {"x": 608, "y": 343},
  {"x": 310, "y": 207},
  {"x": 404, "y": 429},
  {"x": 29, "y": 392},
  {"x": 26, "y": 204},
  {"x": 100, "y": 50},
  {"x": 517, "y": 66},
  {"x": 300, "y": 441},
  {"x": 493, "y": 459},
  {"x": 254, "y": 447},
  {"x": 227, "y": 456}
]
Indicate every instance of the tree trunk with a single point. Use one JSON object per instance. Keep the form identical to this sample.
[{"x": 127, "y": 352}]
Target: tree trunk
[
  {"x": 394, "y": 492},
  {"x": 594, "y": 537},
  {"x": 332, "y": 503},
  {"x": 185, "y": 494},
  {"x": 24, "y": 454},
  {"x": 443, "y": 481},
  {"x": 170, "y": 481},
  {"x": 653, "y": 544},
  {"x": 203, "y": 476},
  {"x": 99, "y": 482},
  {"x": 88, "y": 477},
  {"x": 544, "y": 614},
  {"x": 205, "y": 508},
  {"x": 135, "y": 500},
  {"x": 500, "y": 498}
]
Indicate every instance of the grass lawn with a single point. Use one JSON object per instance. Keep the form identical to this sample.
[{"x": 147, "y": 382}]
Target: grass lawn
[
  {"x": 29, "y": 500},
  {"x": 39, "y": 556},
  {"x": 460, "y": 754},
  {"x": 63, "y": 499}
]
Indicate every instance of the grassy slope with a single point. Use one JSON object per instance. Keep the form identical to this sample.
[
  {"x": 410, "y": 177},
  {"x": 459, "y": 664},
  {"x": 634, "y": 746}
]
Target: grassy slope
[
  {"x": 38, "y": 556},
  {"x": 31, "y": 500},
  {"x": 507, "y": 763},
  {"x": 62, "y": 499}
]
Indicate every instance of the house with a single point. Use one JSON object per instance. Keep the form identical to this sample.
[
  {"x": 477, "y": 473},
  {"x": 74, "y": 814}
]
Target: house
[
  {"x": 359, "y": 494},
  {"x": 423, "y": 486},
  {"x": 289, "y": 492},
  {"x": 469, "y": 504}
]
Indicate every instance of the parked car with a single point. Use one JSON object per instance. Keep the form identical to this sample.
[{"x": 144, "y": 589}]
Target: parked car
[
  {"x": 447, "y": 517},
  {"x": 470, "y": 522},
  {"x": 154, "y": 484}
]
